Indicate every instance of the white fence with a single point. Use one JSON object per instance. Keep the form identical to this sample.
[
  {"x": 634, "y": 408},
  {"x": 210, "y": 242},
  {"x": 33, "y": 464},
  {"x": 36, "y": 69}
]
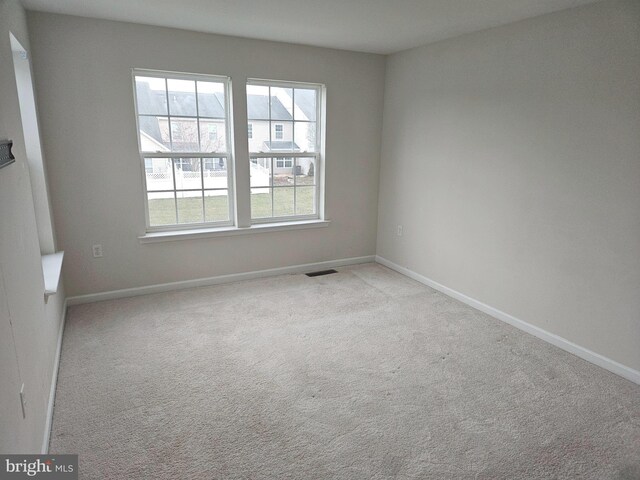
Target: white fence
[{"x": 211, "y": 179}]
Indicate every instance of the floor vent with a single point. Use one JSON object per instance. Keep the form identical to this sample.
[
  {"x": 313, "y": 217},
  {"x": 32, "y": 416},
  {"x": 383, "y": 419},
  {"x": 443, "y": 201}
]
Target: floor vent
[{"x": 321, "y": 272}]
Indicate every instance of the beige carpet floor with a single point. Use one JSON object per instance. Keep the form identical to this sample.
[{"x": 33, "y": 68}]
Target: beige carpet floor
[{"x": 364, "y": 374}]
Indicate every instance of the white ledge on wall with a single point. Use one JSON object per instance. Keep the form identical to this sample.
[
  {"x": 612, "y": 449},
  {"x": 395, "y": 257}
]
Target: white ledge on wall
[
  {"x": 51, "y": 270},
  {"x": 170, "y": 236}
]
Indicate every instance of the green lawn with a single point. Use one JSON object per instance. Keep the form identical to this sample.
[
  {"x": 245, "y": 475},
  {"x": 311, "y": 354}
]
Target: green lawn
[{"x": 216, "y": 208}]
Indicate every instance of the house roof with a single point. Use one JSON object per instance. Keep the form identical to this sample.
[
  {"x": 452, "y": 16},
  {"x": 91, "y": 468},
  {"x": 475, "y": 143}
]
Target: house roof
[
  {"x": 154, "y": 102},
  {"x": 258, "y": 108},
  {"x": 306, "y": 101}
]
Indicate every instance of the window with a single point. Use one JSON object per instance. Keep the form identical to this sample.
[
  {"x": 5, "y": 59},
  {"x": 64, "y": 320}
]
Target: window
[
  {"x": 176, "y": 131},
  {"x": 183, "y": 131},
  {"x": 286, "y": 120},
  {"x": 213, "y": 132},
  {"x": 284, "y": 162}
]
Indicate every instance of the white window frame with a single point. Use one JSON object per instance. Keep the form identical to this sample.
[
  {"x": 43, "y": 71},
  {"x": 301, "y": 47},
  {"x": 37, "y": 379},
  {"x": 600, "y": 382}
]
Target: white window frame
[
  {"x": 228, "y": 155},
  {"x": 317, "y": 154}
]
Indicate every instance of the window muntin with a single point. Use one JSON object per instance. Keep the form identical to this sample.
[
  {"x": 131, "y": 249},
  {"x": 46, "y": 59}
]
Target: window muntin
[
  {"x": 284, "y": 119},
  {"x": 183, "y": 129}
]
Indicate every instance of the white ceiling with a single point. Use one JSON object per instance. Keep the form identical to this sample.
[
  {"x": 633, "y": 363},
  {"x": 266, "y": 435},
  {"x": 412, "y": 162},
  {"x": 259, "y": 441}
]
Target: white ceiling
[{"x": 376, "y": 26}]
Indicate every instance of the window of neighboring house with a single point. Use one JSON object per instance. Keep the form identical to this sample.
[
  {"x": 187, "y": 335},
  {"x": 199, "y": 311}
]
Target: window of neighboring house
[
  {"x": 183, "y": 126},
  {"x": 286, "y": 117},
  {"x": 284, "y": 162},
  {"x": 213, "y": 132},
  {"x": 176, "y": 131},
  {"x": 250, "y": 131}
]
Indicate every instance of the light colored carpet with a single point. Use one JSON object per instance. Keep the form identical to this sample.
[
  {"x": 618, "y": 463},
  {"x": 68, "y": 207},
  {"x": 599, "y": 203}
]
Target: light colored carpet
[{"x": 364, "y": 374}]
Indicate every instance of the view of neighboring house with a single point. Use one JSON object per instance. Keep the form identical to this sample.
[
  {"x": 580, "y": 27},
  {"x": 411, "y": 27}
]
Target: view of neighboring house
[{"x": 276, "y": 124}]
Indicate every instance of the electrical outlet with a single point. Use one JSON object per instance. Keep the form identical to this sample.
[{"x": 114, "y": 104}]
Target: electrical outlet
[
  {"x": 400, "y": 229},
  {"x": 23, "y": 402},
  {"x": 97, "y": 251}
]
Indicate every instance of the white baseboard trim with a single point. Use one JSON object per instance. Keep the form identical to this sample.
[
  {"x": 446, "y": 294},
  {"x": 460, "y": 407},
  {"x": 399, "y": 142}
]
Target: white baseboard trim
[
  {"x": 205, "y": 282},
  {"x": 593, "y": 357},
  {"x": 54, "y": 383}
]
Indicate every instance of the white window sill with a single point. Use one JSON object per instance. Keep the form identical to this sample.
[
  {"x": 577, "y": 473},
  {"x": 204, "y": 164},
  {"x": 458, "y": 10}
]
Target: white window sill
[
  {"x": 170, "y": 236},
  {"x": 51, "y": 270}
]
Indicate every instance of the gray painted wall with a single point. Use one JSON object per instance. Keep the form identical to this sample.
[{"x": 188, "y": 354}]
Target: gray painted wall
[
  {"x": 28, "y": 327},
  {"x": 512, "y": 158},
  {"x": 83, "y": 75}
]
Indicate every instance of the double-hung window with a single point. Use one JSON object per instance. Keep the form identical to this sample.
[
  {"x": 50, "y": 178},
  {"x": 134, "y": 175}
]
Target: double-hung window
[
  {"x": 284, "y": 150},
  {"x": 183, "y": 131},
  {"x": 184, "y": 136}
]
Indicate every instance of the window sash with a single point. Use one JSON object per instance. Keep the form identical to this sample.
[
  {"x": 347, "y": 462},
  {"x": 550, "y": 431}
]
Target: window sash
[
  {"x": 273, "y": 157},
  {"x": 318, "y": 88},
  {"x": 318, "y": 181},
  {"x": 191, "y": 225},
  {"x": 231, "y": 200}
]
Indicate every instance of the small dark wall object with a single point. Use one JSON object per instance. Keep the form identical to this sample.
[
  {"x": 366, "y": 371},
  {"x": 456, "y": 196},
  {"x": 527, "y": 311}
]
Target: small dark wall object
[
  {"x": 322, "y": 272},
  {"x": 6, "y": 157}
]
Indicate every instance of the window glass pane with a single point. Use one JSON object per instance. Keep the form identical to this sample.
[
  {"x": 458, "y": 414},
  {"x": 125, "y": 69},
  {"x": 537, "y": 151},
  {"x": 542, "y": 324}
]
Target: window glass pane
[
  {"x": 159, "y": 173},
  {"x": 281, "y": 103},
  {"x": 187, "y": 174},
  {"x": 190, "y": 209},
  {"x": 305, "y": 171},
  {"x": 215, "y": 173},
  {"x": 283, "y": 202},
  {"x": 259, "y": 141},
  {"x": 182, "y": 97},
  {"x": 260, "y": 173},
  {"x": 281, "y": 138},
  {"x": 184, "y": 135},
  {"x": 284, "y": 163},
  {"x": 162, "y": 208},
  {"x": 154, "y": 134},
  {"x": 305, "y": 104},
  {"x": 212, "y": 135},
  {"x": 305, "y": 200},
  {"x": 151, "y": 96},
  {"x": 261, "y": 203},
  {"x": 216, "y": 206},
  {"x": 305, "y": 136},
  {"x": 211, "y": 101},
  {"x": 283, "y": 171},
  {"x": 257, "y": 102}
]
